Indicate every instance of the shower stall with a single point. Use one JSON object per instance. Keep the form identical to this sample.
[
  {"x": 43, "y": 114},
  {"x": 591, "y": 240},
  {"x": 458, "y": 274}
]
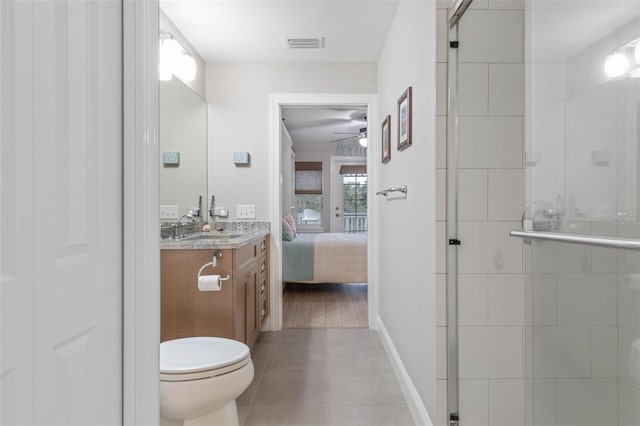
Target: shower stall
[{"x": 543, "y": 134}]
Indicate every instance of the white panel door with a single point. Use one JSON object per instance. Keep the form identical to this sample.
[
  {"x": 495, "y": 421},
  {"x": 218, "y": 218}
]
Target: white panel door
[{"x": 61, "y": 212}]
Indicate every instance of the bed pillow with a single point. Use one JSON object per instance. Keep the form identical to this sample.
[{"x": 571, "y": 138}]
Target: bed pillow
[
  {"x": 287, "y": 232},
  {"x": 291, "y": 222}
]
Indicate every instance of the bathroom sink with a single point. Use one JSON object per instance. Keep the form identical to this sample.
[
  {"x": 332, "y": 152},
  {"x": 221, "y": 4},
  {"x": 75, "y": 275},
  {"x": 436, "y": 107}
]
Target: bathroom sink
[{"x": 213, "y": 237}]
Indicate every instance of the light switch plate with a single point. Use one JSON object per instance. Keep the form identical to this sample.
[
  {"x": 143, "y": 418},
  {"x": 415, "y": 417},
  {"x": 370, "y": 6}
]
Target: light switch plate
[
  {"x": 168, "y": 212},
  {"x": 246, "y": 211}
]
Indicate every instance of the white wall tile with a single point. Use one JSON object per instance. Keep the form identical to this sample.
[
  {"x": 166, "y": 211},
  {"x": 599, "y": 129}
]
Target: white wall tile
[
  {"x": 544, "y": 405},
  {"x": 506, "y": 194},
  {"x": 441, "y": 248},
  {"x": 472, "y": 194},
  {"x": 441, "y": 89},
  {"x": 474, "y": 402},
  {"x": 592, "y": 186},
  {"x": 544, "y": 303},
  {"x": 547, "y": 137},
  {"x": 472, "y": 299},
  {"x": 441, "y": 142},
  {"x": 441, "y": 353},
  {"x": 603, "y": 259},
  {"x": 506, "y": 299},
  {"x": 442, "y": 414},
  {"x": 585, "y": 134},
  {"x": 490, "y": 142},
  {"x": 442, "y": 35},
  {"x": 506, "y": 89},
  {"x": 590, "y": 402},
  {"x": 491, "y": 36},
  {"x": 629, "y": 301},
  {"x": 506, "y": 402},
  {"x": 441, "y": 299},
  {"x": 604, "y": 352},
  {"x": 506, "y": 4},
  {"x": 628, "y": 368},
  {"x": 490, "y": 352},
  {"x": 563, "y": 352},
  {"x": 487, "y": 248},
  {"x": 473, "y": 88},
  {"x": 628, "y": 405},
  {"x": 587, "y": 299},
  {"x": 441, "y": 194},
  {"x": 548, "y": 257}
]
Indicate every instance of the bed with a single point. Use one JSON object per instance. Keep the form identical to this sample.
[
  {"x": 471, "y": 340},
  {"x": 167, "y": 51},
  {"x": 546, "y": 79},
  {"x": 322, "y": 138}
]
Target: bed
[{"x": 325, "y": 258}]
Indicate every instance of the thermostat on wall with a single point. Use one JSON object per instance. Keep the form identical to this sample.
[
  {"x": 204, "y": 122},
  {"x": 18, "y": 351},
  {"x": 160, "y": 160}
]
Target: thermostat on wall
[
  {"x": 241, "y": 158},
  {"x": 171, "y": 158}
]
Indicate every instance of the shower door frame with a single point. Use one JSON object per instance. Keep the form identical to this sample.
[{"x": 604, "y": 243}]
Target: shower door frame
[{"x": 456, "y": 11}]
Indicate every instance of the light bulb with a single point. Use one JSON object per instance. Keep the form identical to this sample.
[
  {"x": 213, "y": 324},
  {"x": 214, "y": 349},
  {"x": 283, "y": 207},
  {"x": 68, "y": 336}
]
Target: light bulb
[
  {"x": 616, "y": 65},
  {"x": 185, "y": 67},
  {"x": 363, "y": 141}
]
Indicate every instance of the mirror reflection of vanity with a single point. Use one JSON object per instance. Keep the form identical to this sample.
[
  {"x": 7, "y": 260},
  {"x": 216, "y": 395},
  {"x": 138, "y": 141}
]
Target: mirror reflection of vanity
[{"x": 183, "y": 148}]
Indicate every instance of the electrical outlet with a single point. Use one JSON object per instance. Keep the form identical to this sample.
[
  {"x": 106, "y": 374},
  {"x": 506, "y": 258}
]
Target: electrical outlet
[
  {"x": 246, "y": 211},
  {"x": 168, "y": 212}
]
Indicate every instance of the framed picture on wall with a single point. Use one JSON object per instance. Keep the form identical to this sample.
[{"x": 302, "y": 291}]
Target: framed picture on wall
[
  {"x": 386, "y": 140},
  {"x": 404, "y": 120}
]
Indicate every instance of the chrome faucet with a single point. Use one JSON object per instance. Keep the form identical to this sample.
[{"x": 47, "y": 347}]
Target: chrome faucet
[{"x": 179, "y": 225}]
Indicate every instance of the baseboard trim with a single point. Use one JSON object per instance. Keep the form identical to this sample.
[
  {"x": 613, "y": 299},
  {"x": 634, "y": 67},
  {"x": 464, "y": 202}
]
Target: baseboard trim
[{"x": 417, "y": 408}]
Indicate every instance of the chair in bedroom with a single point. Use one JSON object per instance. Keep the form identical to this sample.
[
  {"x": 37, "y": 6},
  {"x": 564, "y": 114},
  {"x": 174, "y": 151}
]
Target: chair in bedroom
[{"x": 310, "y": 216}]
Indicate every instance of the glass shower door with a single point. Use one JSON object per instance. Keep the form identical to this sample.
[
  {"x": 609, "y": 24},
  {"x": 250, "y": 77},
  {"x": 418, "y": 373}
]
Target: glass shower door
[{"x": 582, "y": 340}]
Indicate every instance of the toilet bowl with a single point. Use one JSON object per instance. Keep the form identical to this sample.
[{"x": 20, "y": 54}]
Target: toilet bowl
[{"x": 200, "y": 379}]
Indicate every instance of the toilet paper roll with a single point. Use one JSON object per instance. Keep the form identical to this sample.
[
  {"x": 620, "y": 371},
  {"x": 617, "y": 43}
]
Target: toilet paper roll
[{"x": 209, "y": 283}]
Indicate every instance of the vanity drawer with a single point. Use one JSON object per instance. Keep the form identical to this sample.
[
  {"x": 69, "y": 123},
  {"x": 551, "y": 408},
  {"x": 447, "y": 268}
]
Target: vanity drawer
[
  {"x": 263, "y": 312},
  {"x": 262, "y": 245}
]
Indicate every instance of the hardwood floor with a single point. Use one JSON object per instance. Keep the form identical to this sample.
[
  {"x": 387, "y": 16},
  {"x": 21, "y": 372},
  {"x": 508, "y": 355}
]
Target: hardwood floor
[{"x": 325, "y": 305}]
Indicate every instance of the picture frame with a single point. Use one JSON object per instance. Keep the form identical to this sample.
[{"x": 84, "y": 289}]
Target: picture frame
[
  {"x": 386, "y": 140},
  {"x": 404, "y": 120}
]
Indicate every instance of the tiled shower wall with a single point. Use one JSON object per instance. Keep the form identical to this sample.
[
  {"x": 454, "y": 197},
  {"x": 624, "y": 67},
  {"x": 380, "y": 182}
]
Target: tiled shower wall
[{"x": 491, "y": 285}]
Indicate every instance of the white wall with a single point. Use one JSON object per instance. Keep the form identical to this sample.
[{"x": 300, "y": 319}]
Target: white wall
[
  {"x": 407, "y": 230},
  {"x": 238, "y": 98},
  {"x": 198, "y": 84}
]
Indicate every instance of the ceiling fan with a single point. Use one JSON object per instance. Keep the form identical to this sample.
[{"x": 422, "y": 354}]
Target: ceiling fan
[{"x": 360, "y": 135}]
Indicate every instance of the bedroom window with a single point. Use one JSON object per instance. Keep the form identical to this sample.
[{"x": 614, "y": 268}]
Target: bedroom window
[
  {"x": 354, "y": 187},
  {"x": 308, "y": 192}
]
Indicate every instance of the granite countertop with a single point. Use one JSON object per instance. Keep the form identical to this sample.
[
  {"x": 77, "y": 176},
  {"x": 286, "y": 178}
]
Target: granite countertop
[{"x": 231, "y": 237}]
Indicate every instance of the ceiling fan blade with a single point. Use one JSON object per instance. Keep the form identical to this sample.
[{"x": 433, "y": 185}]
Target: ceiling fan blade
[{"x": 344, "y": 139}]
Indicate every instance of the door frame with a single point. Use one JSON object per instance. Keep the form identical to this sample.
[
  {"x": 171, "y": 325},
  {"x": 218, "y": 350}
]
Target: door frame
[
  {"x": 276, "y": 102},
  {"x": 141, "y": 260},
  {"x": 336, "y": 194}
]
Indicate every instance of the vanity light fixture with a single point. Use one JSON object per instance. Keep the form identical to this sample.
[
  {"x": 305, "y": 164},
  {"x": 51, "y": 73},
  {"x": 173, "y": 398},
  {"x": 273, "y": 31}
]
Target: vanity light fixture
[
  {"x": 624, "y": 61},
  {"x": 175, "y": 60}
]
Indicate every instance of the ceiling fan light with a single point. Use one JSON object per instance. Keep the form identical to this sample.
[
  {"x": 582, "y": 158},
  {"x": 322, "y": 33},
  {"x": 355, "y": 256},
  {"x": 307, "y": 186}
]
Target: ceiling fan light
[{"x": 363, "y": 141}]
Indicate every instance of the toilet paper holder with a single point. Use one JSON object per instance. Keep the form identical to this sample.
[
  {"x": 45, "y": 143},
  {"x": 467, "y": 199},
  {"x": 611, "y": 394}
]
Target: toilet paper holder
[{"x": 213, "y": 264}]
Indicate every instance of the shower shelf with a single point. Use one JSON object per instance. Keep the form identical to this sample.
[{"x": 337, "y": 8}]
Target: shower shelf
[{"x": 589, "y": 240}]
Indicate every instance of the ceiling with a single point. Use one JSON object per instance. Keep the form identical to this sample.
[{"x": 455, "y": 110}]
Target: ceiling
[
  {"x": 323, "y": 124},
  {"x": 254, "y": 31}
]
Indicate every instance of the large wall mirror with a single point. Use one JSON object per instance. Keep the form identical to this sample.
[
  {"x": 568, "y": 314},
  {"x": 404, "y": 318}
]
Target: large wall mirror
[{"x": 183, "y": 130}]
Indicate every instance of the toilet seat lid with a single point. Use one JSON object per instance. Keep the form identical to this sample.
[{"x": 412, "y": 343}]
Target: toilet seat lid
[{"x": 193, "y": 354}]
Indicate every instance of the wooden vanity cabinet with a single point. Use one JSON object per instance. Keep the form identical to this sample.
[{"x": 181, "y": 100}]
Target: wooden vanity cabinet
[{"x": 237, "y": 311}]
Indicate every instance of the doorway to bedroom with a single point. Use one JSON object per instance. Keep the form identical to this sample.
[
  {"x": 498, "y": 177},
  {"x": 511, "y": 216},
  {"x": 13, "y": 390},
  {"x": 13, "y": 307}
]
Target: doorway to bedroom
[{"x": 324, "y": 205}]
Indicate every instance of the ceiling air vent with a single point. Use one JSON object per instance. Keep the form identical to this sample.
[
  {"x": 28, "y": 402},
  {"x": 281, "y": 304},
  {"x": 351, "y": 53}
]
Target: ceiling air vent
[{"x": 304, "y": 42}]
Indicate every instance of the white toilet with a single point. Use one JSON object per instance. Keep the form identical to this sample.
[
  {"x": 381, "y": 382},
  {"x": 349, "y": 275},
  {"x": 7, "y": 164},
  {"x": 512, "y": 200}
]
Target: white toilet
[{"x": 200, "y": 379}]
